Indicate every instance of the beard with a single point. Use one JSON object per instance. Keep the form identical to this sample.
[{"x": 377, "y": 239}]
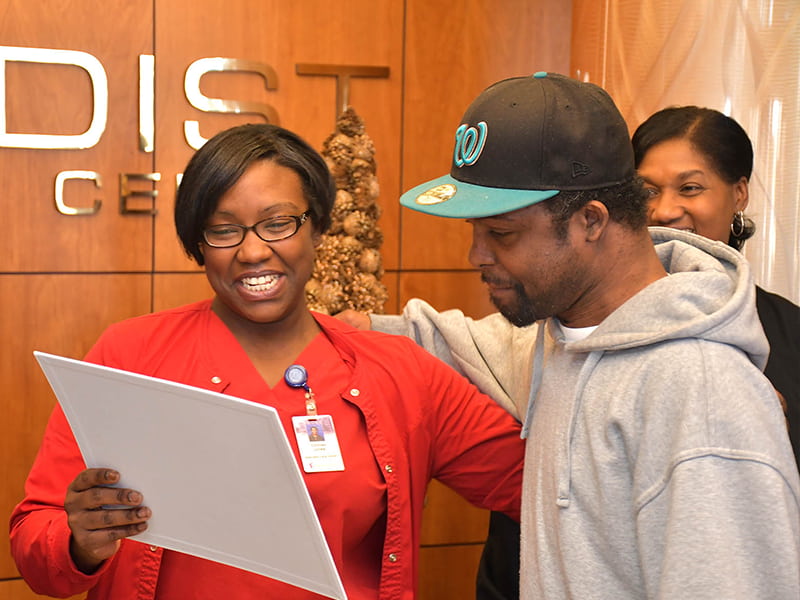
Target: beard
[{"x": 520, "y": 312}]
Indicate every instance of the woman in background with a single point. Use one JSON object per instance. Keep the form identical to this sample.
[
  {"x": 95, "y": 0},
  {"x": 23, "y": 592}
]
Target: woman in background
[{"x": 696, "y": 165}]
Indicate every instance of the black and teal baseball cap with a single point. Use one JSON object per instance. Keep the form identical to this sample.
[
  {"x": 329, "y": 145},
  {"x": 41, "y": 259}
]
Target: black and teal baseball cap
[{"x": 524, "y": 140}]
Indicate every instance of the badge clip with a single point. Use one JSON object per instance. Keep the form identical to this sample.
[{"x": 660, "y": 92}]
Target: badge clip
[{"x": 296, "y": 376}]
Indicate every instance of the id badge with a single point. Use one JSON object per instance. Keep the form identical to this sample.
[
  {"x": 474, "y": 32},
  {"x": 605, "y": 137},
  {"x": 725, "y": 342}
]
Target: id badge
[{"x": 316, "y": 440}]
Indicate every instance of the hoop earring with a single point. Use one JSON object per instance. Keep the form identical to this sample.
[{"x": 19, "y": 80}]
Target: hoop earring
[{"x": 737, "y": 225}]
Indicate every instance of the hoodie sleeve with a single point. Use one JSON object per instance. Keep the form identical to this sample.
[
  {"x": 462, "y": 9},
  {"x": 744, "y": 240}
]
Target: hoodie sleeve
[
  {"x": 496, "y": 356},
  {"x": 737, "y": 518},
  {"x": 719, "y": 484}
]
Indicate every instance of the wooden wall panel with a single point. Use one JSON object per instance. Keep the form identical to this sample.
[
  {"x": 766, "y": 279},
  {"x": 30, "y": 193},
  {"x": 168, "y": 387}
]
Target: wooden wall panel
[
  {"x": 17, "y": 589},
  {"x": 480, "y": 44},
  {"x": 176, "y": 289},
  {"x": 60, "y": 314},
  {"x": 280, "y": 34},
  {"x": 447, "y": 289},
  {"x": 57, "y": 99},
  {"x": 449, "y": 519},
  {"x": 391, "y": 279},
  {"x": 448, "y": 572}
]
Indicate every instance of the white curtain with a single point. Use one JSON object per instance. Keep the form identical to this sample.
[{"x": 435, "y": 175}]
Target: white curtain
[{"x": 741, "y": 57}]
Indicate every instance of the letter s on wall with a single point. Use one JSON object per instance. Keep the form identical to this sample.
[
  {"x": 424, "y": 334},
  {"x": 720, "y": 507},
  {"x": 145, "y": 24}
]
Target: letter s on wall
[{"x": 191, "y": 86}]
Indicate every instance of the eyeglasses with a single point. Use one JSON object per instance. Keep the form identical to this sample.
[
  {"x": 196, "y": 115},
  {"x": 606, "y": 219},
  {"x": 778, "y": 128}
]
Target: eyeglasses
[{"x": 273, "y": 229}]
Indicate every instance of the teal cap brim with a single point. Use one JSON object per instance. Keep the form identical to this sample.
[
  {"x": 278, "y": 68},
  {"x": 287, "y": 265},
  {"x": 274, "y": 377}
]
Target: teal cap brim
[{"x": 448, "y": 197}]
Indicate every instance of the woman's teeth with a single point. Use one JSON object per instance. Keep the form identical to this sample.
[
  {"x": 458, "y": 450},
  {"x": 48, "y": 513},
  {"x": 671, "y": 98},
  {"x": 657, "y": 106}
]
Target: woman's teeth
[{"x": 259, "y": 284}]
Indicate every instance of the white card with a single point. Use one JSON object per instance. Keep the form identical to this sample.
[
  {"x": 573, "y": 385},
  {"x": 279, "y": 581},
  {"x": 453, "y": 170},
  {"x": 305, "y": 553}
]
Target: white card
[{"x": 174, "y": 442}]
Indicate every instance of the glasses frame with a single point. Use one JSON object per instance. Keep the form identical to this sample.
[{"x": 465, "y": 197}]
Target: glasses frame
[{"x": 298, "y": 219}]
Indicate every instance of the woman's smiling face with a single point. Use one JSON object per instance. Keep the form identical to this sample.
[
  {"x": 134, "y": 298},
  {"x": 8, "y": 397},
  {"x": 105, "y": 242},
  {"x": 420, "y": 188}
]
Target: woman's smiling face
[
  {"x": 687, "y": 193},
  {"x": 258, "y": 281}
]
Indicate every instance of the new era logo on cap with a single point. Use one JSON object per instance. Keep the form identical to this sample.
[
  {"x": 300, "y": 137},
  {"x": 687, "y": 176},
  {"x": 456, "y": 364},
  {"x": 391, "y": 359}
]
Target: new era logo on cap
[
  {"x": 523, "y": 140},
  {"x": 579, "y": 169}
]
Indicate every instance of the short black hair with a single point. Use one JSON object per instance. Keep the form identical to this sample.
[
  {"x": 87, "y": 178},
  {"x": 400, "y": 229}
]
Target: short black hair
[
  {"x": 718, "y": 137},
  {"x": 626, "y": 203},
  {"x": 222, "y": 160}
]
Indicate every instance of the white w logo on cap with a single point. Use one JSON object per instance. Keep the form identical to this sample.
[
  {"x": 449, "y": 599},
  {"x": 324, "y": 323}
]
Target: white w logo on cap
[{"x": 469, "y": 144}]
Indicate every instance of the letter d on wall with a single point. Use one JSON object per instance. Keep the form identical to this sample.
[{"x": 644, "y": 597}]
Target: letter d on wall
[{"x": 85, "y": 61}]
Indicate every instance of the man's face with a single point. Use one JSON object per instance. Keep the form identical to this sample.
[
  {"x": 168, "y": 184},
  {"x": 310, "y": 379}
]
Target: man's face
[{"x": 531, "y": 272}]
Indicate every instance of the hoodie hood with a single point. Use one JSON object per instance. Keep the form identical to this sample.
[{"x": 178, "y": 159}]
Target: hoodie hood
[{"x": 708, "y": 294}]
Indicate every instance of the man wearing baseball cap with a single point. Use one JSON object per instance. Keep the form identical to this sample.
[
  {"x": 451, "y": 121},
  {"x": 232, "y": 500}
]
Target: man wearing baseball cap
[{"x": 658, "y": 463}]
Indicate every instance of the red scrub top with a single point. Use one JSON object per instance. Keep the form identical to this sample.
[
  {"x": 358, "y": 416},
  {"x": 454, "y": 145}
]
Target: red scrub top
[{"x": 351, "y": 504}]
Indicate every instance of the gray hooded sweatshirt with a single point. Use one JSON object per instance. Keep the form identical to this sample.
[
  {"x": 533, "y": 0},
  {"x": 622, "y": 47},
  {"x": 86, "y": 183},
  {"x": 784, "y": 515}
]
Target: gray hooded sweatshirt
[{"x": 658, "y": 463}]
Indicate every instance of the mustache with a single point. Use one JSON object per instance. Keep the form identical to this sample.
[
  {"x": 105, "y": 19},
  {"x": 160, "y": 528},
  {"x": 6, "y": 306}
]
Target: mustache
[{"x": 496, "y": 281}]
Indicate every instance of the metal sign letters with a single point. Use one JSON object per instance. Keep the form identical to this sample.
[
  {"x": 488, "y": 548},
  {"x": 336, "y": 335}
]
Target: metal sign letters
[{"x": 99, "y": 85}]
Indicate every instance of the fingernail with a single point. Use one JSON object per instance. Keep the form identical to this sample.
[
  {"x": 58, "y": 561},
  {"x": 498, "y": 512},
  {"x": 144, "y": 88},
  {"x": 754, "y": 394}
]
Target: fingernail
[{"x": 134, "y": 497}]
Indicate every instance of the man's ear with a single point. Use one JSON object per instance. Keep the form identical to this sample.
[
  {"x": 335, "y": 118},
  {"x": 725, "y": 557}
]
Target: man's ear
[{"x": 594, "y": 219}]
